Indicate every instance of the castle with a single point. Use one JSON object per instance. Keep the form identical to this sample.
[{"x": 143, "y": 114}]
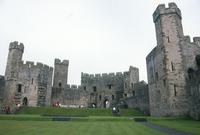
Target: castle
[
  {"x": 173, "y": 69},
  {"x": 29, "y": 84}
]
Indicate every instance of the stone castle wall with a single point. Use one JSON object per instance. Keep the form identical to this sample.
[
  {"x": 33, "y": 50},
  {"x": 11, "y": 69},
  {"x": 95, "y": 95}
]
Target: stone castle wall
[
  {"x": 26, "y": 83},
  {"x": 168, "y": 62}
]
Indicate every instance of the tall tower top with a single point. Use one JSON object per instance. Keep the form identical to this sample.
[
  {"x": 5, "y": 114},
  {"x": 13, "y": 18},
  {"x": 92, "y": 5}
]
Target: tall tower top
[
  {"x": 16, "y": 45},
  {"x": 162, "y": 10}
]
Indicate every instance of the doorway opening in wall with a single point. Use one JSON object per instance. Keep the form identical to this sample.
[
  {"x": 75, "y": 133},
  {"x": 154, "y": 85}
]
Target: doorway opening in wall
[
  {"x": 25, "y": 101},
  {"x": 106, "y": 103}
]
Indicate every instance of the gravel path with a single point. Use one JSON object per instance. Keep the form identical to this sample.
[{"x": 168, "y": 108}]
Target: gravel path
[{"x": 168, "y": 131}]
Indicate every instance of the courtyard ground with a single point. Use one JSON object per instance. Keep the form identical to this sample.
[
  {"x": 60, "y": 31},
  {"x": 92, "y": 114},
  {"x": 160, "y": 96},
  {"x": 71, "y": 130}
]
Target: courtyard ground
[{"x": 36, "y": 121}]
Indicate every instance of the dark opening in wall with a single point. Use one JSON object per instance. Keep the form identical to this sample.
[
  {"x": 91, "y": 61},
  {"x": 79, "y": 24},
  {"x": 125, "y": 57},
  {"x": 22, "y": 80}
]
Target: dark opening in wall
[
  {"x": 60, "y": 85},
  {"x": 100, "y": 97},
  {"x": 94, "y": 88},
  {"x": 133, "y": 93},
  {"x": 164, "y": 82},
  {"x": 198, "y": 60},
  {"x": 156, "y": 76},
  {"x": 172, "y": 66},
  {"x": 109, "y": 86},
  {"x": 113, "y": 97},
  {"x": 19, "y": 88},
  {"x": 132, "y": 85},
  {"x": 32, "y": 81},
  {"x": 84, "y": 88},
  {"x": 125, "y": 95},
  {"x": 168, "y": 40},
  {"x": 175, "y": 90}
]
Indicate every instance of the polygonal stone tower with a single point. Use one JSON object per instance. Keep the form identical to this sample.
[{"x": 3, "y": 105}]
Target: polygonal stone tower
[
  {"x": 165, "y": 67},
  {"x": 12, "y": 69}
]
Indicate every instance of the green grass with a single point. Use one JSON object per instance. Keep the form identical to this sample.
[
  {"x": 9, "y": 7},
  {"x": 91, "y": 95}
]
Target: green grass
[
  {"x": 181, "y": 124},
  {"x": 128, "y": 127},
  {"x": 84, "y": 112}
]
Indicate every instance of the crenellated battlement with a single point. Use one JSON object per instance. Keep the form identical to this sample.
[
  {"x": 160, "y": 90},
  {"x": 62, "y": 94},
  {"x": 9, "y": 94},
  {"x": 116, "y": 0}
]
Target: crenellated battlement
[
  {"x": 31, "y": 64},
  {"x": 16, "y": 45},
  {"x": 64, "y": 62},
  {"x": 103, "y": 75},
  {"x": 161, "y": 10},
  {"x": 196, "y": 40}
]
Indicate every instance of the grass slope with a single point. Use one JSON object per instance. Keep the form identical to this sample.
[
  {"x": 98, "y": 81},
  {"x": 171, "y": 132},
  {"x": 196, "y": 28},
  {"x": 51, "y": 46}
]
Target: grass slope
[{"x": 77, "y": 112}]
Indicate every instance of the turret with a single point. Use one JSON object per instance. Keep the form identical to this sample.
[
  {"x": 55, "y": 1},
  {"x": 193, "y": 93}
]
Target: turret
[
  {"x": 168, "y": 23},
  {"x": 60, "y": 73},
  {"x": 14, "y": 59}
]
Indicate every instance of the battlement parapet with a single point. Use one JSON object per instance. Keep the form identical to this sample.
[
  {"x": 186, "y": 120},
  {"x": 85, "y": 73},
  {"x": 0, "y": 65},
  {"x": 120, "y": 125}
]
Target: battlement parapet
[
  {"x": 133, "y": 68},
  {"x": 196, "y": 40},
  {"x": 59, "y": 62},
  {"x": 31, "y": 64},
  {"x": 186, "y": 39},
  {"x": 161, "y": 10},
  {"x": 16, "y": 45}
]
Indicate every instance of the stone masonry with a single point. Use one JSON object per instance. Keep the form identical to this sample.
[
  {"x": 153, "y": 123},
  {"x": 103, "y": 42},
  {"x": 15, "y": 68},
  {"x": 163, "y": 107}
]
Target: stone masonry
[
  {"x": 29, "y": 84},
  {"x": 168, "y": 63}
]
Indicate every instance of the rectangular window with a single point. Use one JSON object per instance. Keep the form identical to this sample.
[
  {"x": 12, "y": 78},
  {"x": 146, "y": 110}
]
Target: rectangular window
[{"x": 132, "y": 85}]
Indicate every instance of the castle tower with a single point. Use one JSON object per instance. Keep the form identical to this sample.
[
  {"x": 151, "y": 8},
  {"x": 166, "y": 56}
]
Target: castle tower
[
  {"x": 165, "y": 64},
  {"x": 60, "y": 73},
  {"x": 11, "y": 74}
]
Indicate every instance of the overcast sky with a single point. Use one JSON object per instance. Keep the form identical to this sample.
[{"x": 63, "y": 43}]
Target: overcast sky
[{"x": 96, "y": 36}]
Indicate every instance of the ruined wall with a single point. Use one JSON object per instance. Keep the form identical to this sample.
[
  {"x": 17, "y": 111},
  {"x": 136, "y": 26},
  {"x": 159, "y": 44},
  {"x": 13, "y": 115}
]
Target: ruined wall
[
  {"x": 141, "y": 98},
  {"x": 106, "y": 89},
  {"x": 26, "y": 83},
  {"x": 36, "y": 83}
]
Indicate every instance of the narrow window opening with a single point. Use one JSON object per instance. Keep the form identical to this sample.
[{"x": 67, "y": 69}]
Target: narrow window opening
[
  {"x": 32, "y": 81},
  {"x": 100, "y": 97},
  {"x": 113, "y": 97},
  {"x": 60, "y": 85},
  {"x": 19, "y": 89},
  {"x": 156, "y": 76},
  {"x": 164, "y": 82},
  {"x": 168, "y": 40},
  {"x": 94, "y": 88},
  {"x": 172, "y": 66},
  {"x": 132, "y": 85},
  {"x": 175, "y": 90},
  {"x": 84, "y": 87},
  {"x": 133, "y": 93}
]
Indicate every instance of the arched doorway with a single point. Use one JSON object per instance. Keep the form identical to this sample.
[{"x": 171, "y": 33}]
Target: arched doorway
[
  {"x": 106, "y": 103},
  {"x": 25, "y": 101}
]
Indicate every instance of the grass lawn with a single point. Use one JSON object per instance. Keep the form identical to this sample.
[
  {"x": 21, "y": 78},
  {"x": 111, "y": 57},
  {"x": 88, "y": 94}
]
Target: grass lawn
[
  {"x": 180, "y": 124},
  {"x": 83, "y": 112},
  {"x": 126, "y": 127}
]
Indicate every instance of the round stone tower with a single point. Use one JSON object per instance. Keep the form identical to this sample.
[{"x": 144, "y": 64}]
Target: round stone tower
[{"x": 14, "y": 61}]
